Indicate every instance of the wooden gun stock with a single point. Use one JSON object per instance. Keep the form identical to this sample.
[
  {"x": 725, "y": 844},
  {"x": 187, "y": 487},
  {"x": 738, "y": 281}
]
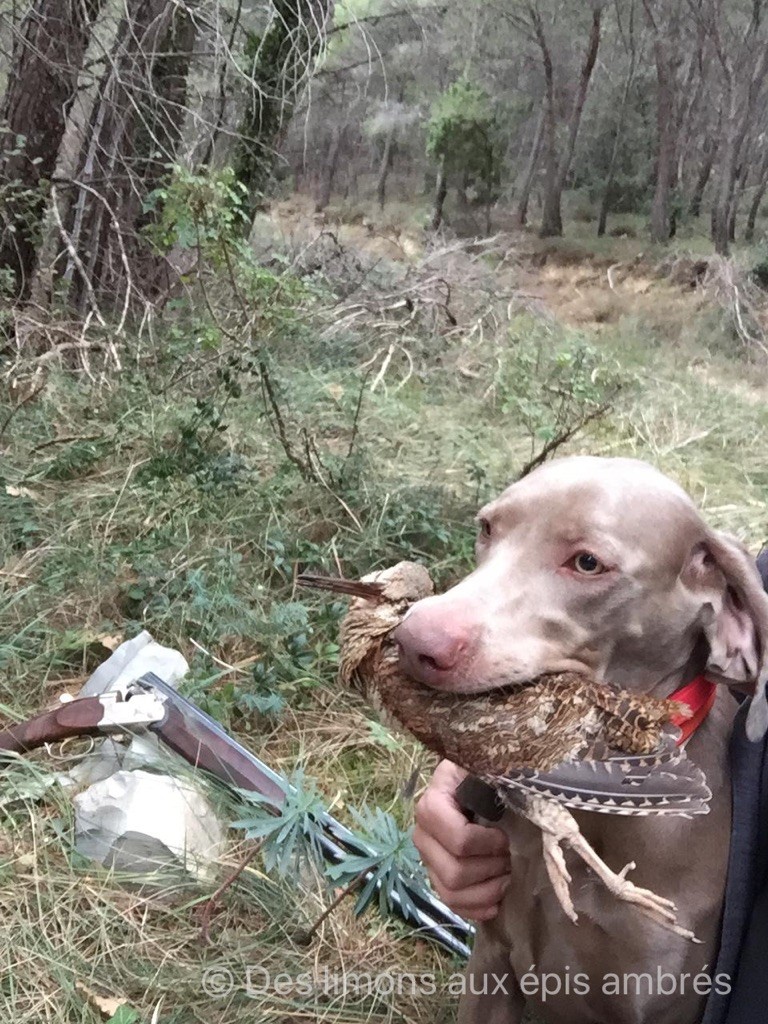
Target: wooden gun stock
[{"x": 77, "y": 718}]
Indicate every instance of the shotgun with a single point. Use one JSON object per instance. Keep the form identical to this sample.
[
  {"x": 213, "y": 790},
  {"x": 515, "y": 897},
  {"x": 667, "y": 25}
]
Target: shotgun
[{"x": 150, "y": 703}]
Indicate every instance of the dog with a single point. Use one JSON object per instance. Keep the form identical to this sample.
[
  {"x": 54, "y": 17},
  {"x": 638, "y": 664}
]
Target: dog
[{"x": 603, "y": 566}]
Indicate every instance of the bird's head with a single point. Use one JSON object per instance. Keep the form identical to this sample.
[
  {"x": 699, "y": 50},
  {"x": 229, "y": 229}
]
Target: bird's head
[
  {"x": 401, "y": 585},
  {"x": 381, "y": 600}
]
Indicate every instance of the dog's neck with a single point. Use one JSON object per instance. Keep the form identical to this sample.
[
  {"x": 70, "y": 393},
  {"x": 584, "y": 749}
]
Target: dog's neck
[
  {"x": 637, "y": 678},
  {"x": 708, "y": 746}
]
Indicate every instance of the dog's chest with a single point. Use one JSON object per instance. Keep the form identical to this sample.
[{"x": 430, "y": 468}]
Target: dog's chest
[{"x": 614, "y": 966}]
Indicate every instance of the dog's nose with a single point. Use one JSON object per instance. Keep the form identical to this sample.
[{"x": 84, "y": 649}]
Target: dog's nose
[{"x": 432, "y": 645}]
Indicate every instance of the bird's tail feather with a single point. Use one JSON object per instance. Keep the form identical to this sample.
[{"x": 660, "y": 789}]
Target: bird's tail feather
[{"x": 621, "y": 785}]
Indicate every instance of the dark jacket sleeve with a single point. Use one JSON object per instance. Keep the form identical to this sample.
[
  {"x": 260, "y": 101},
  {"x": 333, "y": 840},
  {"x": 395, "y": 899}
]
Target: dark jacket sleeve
[{"x": 742, "y": 959}]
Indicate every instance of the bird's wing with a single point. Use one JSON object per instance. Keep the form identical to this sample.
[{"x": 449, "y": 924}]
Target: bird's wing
[
  {"x": 560, "y": 742},
  {"x": 628, "y": 785}
]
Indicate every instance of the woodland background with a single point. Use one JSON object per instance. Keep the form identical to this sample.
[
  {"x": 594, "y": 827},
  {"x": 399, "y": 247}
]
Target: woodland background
[{"x": 296, "y": 284}]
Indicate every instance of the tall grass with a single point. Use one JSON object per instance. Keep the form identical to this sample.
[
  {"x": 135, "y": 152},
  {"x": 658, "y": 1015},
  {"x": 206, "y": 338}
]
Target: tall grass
[{"x": 164, "y": 499}]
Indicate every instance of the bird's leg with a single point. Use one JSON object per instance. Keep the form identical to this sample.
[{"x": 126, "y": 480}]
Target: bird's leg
[
  {"x": 558, "y": 828},
  {"x": 559, "y": 876}
]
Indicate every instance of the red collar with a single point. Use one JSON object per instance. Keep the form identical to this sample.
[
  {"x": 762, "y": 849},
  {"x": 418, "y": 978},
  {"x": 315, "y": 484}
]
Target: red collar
[{"x": 699, "y": 695}]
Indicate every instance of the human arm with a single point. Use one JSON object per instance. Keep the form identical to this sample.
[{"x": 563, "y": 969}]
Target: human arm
[{"x": 468, "y": 864}]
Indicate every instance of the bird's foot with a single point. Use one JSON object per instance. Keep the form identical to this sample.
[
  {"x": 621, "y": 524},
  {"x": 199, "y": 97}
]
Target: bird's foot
[
  {"x": 650, "y": 904},
  {"x": 559, "y": 828}
]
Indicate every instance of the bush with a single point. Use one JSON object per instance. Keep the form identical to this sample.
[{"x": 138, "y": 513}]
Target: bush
[{"x": 554, "y": 386}]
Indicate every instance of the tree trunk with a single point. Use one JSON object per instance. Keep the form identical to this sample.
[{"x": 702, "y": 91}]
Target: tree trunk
[
  {"x": 384, "y": 168},
  {"x": 661, "y": 227},
  {"x": 743, "y": 75},
  {"x": 710, "y": 149},
  {"x": 524, "y": 196},
  {"x": 277, "y": 64},
  {"x": 47, "y": 56},
  {"x": 734, "y": 133},
  {"x": 557, "y": 171},
  {"x": 461, "y": 191},
  {"x": 757, "y": 198},
  {"x": 63, "y": 187},
  {"x": 720, "y": 208},
  {"x": 551, "y": 219},
  {"x": 441, "y": 191},
  {"x": 602, "y": 220},
  {"x": 738, "y": 191},
  {"x": 129, "y": 150},
  {"x": 329, "y": 170}
]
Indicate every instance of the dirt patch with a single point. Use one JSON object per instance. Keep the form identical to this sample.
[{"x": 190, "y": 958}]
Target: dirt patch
[
  {"x": 564, "y": 278},
  {"x": 295, "y": 218},
  {"x": 595, "y": 291}
]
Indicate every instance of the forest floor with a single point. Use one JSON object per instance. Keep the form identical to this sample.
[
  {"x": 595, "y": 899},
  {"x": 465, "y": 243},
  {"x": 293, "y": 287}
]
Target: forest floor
[{"x": 426, "y": 375}]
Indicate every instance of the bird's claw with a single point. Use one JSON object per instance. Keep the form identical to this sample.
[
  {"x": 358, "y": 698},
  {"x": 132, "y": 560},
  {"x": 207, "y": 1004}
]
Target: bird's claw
[{"x": 657, "y": 908}]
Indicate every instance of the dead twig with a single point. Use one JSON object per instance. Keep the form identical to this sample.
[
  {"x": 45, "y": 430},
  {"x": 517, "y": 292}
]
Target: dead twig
[
  {"x": 68, "y": 439},
  {"x": 277, "y": 423},
  {"x": 207, "y": 909},
  {"x": 307, "y": 936},
  {"x": 563, "y": 438}
]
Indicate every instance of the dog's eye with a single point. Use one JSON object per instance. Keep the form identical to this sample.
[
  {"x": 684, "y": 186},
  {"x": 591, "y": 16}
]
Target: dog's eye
[
  {"x": 485, "y": 528},
  {"x": 588, "y": 564}
]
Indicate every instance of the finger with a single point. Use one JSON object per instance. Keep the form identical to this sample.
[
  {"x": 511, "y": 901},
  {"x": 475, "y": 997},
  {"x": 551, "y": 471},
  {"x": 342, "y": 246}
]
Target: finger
[
  {"x": 438, "y": 815},
  {"x": 448, "y": 776},
  {"x": 458, "y": 873},
  {"x": 482, "y": 899}
]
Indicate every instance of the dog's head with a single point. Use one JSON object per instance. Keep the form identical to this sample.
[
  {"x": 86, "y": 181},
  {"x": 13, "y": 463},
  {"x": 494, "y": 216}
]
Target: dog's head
[{"x": 597, "y": 565}]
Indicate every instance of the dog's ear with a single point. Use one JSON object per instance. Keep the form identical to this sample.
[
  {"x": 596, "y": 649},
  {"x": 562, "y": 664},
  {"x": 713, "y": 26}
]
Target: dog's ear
[{"x": 724, "y": 576}]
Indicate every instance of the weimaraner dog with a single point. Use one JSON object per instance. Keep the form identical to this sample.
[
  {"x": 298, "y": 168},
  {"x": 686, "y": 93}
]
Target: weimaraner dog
[{"x": 604, "y": 566}]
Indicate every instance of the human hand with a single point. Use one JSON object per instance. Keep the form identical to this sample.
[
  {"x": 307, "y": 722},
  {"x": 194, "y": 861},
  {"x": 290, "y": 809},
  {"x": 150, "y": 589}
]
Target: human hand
[{"x": 468, "y": 864}]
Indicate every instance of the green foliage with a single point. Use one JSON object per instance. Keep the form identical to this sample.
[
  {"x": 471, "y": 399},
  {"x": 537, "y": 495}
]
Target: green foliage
[
  {"x": 552, "y": 385},
  {"x": 206, "y": 213},
  {"x": 392, "y": 862},
  {"x": 463, "y": 132},
  {"x": 77, "y": 459},
  {"x": 19, "y": 525},
  {"x": 19, "y": 207},
  {"x": 291, "y": 842},
  {"x": 236, "y": 307},
  {"x": 291, "y": 653},
  {"x": 294, "y": 656},
  {"x": 210, "y": 600},
  {"x": 196, "y": 452},
  {"x": 197, "y": 211},
  {"x": 382, "y": 736},
  {"x": 291, "y": 838},
  {"x": 24, "y": 782},
  {"x": 125, "y": 1015}
]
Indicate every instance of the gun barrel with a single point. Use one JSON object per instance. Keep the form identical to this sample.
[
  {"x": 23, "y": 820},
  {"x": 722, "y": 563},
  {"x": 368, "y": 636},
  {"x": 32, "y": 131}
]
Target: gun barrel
[{"x": 204, "y": 743}]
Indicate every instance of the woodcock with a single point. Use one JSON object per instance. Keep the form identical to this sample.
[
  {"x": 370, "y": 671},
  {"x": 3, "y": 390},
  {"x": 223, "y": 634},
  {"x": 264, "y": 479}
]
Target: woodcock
[{"x": 561, "y": 741}]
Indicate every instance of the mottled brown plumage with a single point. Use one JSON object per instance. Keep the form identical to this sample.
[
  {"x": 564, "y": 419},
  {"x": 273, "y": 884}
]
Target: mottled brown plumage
[{"x": 561, "y": 740}]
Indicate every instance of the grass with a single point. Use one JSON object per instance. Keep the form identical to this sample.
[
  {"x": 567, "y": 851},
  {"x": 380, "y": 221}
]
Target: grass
[{"x": 123, "y": 505}]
